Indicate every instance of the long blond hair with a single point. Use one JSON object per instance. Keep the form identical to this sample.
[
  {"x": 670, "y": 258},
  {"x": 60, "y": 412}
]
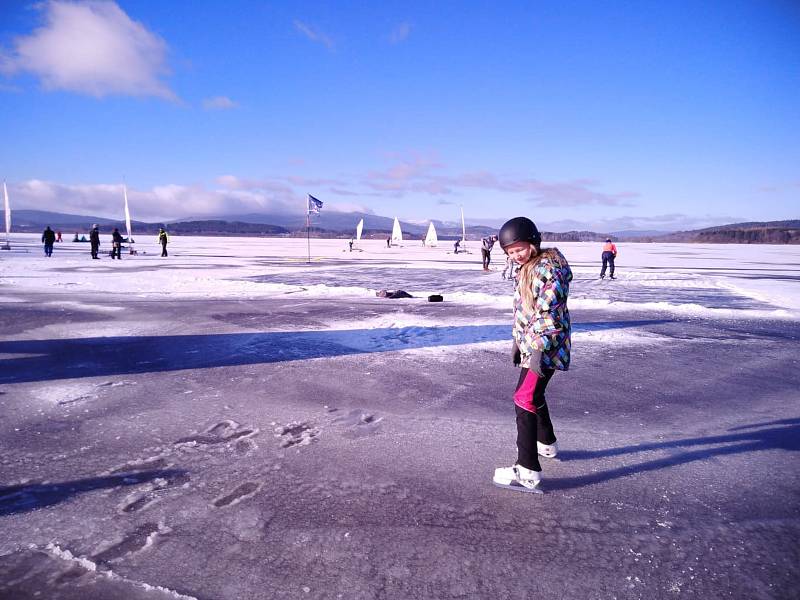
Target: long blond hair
[{"x": 526, "y": 271}]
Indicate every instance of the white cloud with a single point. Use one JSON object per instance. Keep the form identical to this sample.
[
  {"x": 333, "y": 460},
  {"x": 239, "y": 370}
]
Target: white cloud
[
  {"x": 229, "y": 181},
  {"x": 219, "y": 103},
  {"x": 400, "y": 33},
  {"x": 161, "y": 203},
  {"x": 418, "y": 174},
  {"x": 274, "y": 186},
  {"x": 240, "y": 196},
  {"x": 314, "y": 34},
  {"x": 92, "y": 48},
  {"x": 348, "y": 207}
]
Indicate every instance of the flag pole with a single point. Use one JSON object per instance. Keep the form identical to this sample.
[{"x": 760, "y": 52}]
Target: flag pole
[
  {"x": 7, "y": 209},
  {"x": 313, "y": 206}
]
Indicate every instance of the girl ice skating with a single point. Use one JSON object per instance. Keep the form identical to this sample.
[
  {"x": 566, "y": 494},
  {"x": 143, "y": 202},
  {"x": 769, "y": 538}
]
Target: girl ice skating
[{"x": 541, "y": 346}]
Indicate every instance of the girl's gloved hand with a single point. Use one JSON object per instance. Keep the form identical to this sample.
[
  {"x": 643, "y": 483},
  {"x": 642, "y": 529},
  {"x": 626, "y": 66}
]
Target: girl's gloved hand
[{"x": 516, "y": 357}]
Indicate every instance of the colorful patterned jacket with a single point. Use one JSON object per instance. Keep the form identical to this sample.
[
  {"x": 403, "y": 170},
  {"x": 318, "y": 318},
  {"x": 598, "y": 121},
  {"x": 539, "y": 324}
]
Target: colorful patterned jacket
[{"x": 546, "y": 328}]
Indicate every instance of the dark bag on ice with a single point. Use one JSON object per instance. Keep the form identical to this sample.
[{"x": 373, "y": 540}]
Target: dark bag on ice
[{"x": 435, "y": 298}]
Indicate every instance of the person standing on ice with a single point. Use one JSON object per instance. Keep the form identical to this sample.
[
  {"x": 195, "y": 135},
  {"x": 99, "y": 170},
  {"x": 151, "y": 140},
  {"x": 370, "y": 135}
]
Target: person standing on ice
[
  {"x": 48, "y": 239},
  {"x": 608, "y": 256},
  {"x": 487, "y": 244},
  {"x": 94, "y": 240},
  {"x": 163, "y": 239},
  {"x": 510, "y": 270},
  {"x": 116, "y": 244},
  {"x": 541, "y": 333}
]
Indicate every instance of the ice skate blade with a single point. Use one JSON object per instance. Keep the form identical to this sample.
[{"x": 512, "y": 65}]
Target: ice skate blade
[{"x": 518, "y": 488}]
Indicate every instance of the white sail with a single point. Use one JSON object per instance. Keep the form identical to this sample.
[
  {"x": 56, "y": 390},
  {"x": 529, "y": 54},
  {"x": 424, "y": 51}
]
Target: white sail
[
  {"x": 431, "y": 239},
  {"x": 8, "y": 215},
  {"x": 397, "y": 234},
  {"x": 127, "y": 214},
  {"x": 359, "y": 229},
  {"x": 463, "y": 227}
]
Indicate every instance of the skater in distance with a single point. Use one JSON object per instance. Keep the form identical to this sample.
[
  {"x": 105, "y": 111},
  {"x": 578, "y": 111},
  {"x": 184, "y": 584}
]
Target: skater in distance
[
  {"x": 487, "y": 244},
  {"x": 48, "y": 239},
  {"x": 163, "y": 239},
  {"x": 608, "y": 256},
  {"x": 116, "y": 244},
  {"x": 541, "y": 334},
  {"x": 94, "y": 239}
]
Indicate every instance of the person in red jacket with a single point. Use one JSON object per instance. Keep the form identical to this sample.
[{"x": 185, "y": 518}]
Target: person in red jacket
[{"x": 608, "y": 256}]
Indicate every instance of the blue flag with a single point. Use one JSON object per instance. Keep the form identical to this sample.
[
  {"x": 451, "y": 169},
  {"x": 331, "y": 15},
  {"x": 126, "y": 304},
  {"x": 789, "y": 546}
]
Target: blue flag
[{"x": 314, "y": 205}]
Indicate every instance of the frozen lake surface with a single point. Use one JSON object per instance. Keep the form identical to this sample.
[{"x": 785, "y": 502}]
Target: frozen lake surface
[{"x": 234, "y": 422}]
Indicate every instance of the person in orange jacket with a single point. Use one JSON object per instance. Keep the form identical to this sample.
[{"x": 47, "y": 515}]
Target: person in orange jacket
[{"x": 608, "y": 256}]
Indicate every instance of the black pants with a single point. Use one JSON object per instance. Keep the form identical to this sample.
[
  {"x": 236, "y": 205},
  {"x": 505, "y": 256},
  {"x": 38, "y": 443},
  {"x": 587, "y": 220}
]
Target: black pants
[
  {"x": 533, "y": 426},
  {"x": 116, "y": 251},
  {"x": 48, "y": 249},
  {"x": 164, "y": 250},
  {"x": 487, "y": 258},
  {"x": 608, "y": 260},
  {"x": 95, "y": 249}
]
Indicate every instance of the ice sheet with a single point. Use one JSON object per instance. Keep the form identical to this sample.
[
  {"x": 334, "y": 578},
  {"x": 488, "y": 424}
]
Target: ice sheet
[{"x": 688, "y": 279}]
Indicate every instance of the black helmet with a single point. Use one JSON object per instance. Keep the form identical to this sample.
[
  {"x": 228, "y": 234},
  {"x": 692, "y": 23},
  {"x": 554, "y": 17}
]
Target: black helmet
[{"x": 519, "y": 229}]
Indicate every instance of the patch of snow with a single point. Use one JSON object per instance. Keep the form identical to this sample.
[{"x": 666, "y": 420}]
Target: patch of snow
[
  {"x": 687, "y": 309},
  {"x": 619, "y": 337},
  {"x": 56, "y": 551},
  {"x": 64, "y": 393},
  {"x": 84, "y": 306}
]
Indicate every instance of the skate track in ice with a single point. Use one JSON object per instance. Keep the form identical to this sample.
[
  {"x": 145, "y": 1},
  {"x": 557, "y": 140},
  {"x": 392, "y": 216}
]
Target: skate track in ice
[{"x": 236, "y": 422}]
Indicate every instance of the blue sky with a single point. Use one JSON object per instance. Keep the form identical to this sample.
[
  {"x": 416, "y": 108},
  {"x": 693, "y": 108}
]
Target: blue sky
[{"x": 599, "y": 115}]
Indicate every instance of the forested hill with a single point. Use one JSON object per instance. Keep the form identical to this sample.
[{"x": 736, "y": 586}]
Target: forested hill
[
  {"x": 576, "y": 236},
  {"x": 771, "y": 232}
]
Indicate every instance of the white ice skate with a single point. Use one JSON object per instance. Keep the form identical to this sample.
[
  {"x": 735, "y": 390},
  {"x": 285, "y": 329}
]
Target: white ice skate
[
  {"x": 518, "y": 478},
  {"x": 547, "y": 450}
]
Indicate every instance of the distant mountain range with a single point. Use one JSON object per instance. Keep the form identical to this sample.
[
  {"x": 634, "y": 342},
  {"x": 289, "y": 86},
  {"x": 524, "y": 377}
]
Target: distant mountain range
[
  {"x": 342, "y": 225},
  {"x": 326, "y": 224}
]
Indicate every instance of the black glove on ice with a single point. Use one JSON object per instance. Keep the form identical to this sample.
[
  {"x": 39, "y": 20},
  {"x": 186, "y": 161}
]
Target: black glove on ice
[
  {"x": 516, "y": 357},
  {"x": 536, "y": 363}
]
